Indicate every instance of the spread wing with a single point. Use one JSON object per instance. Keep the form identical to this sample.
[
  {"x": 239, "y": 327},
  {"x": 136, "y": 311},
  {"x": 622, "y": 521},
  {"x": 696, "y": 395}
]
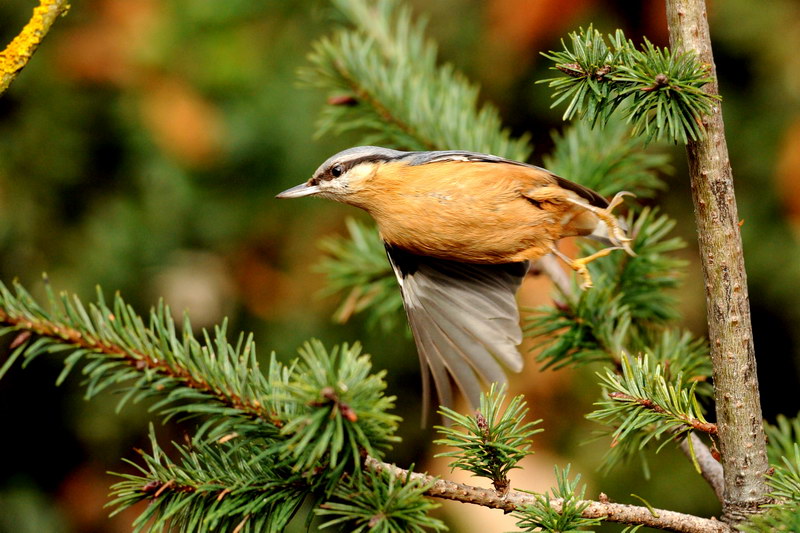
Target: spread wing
[{"x": 464, "y": 318}]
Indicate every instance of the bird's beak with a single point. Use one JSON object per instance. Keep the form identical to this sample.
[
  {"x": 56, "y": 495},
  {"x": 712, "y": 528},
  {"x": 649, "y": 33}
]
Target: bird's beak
[{"x": 304, "y": 189}]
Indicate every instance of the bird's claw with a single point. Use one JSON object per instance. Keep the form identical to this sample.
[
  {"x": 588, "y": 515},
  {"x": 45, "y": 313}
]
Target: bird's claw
[
  {"x": 579, "y": 265},
  {"x": 616, "y": 234}
]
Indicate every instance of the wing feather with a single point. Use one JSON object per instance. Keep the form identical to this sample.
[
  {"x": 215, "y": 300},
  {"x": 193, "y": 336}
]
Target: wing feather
[{"x": 464, "y": 318}]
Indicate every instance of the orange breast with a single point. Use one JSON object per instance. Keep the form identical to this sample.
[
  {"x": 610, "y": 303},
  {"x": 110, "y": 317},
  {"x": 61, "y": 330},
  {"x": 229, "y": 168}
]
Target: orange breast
[{"x": 471, "y": 212}]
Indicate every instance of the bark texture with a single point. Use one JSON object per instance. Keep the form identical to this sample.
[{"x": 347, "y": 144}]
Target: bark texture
[
  {"x": 738, "y": 405},
  {"x": 603, "y": 509}
]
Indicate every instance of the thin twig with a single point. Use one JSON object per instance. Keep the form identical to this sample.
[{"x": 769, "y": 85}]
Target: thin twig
[
  {"x": 710, "y": 468},
  {"x": 552, "y": 269},
  {"x": 514, "y": 500},
  {"x": 17, "y": 54},
  {"x": 647, "y": 403}
]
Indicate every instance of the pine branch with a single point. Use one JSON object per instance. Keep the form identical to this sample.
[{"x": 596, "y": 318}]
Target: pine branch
[
  {"x": 491, "y": 443},
  {"x": 602, "y": 509},
  {"x": 357, "y": 271},
  {"x": 313, "y": 419},
  {"x": 607, "y": 159},
  {"x": 17, "y": 54},
  {"x": 568, "y": 516},
  {"x": 385, "y": 84},
  {"x": 709, "y": 466},
  {"x": 738, "y": 405},
  {"x": 625, "y": 311},
  {"x": 338, "y": 411},
  {"x": 642, "y": 406},
  {"x": 217, "y": 487},
  {"x": 662, "y": 91},
  {"x": 380, "y": 502},
  {"x": 217, "y": 380}
]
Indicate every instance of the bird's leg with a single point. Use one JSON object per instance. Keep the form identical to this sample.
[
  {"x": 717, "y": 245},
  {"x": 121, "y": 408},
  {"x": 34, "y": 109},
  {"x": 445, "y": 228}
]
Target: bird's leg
[
  {"x": 579, "y": 265},
  {"x": 616, "y": 234}
]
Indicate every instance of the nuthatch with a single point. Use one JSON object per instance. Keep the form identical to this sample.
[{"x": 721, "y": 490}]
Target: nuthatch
[{"x": 460, "y": 229}]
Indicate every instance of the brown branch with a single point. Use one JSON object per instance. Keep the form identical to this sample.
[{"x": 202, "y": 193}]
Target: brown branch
[
  {"x": 741, "y": 436},
  {"x": 514, "y": 500},
  {"x": 17, "y": 54},
  {"x": 710, "y": 468},
  {"x": 550, "y": 266},
  {"x": 647, "y": 403}
]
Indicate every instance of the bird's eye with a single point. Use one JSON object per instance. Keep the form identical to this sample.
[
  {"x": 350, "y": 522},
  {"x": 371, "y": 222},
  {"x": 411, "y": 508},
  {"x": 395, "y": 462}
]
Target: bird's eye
[{"x": 337, "y": 171}]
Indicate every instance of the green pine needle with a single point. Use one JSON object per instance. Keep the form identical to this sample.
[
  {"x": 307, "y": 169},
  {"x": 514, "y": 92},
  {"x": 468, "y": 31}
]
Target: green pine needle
[
  {"x": 778, "y": 519},
  {"x": 214, "y": 379},
  {"x": 661, "y": 93},
  {"x": 302, "y": 426},
  {"x": 339, "y": 411},
  {"x": 641, "y": 406},
  {"x": 492, "y": 442},
  {"x": 781, "y": 437},
  {"x": 543, "y": 516},
  {"x": 607, "y": 159},
  {"x": 214, "y": 487},
  {"x": 385, "y": 84},
  {"x": 357, "y": 270},
  {"x": 379, "y": 502},
  {"x": 626, "y": 310}
]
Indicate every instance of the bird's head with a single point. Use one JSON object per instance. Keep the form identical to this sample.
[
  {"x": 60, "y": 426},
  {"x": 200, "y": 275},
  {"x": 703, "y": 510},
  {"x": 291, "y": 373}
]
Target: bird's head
[{"x": 343, "y": 176}]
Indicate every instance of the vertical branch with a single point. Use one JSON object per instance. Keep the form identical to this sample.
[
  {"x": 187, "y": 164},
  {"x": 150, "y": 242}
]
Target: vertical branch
[
  {"x": 19, "y": 51},
  {"x": 738, "y": 405}
]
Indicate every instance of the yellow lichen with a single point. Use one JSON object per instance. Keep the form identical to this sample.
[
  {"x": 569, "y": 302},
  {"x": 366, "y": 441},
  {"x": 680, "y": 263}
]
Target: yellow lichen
[{"x": 20, "y": 50}]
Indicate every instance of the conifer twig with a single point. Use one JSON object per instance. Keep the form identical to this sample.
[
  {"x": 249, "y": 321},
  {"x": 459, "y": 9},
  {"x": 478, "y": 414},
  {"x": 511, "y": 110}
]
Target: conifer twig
[
  {"x": 17, "y": 54},
  {"x": 647, "y": 403},
  {"x": 512, "y": 500},
  {"x": 741, "y": 436},
  {"x": 139, "y": 360}
]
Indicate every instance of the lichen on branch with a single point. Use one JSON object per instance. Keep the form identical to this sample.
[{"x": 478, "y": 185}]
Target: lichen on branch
[{"x": 19, "y": 51}]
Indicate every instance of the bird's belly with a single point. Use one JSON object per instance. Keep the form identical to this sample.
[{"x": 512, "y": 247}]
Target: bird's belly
[{"x": 471, "y": 232}]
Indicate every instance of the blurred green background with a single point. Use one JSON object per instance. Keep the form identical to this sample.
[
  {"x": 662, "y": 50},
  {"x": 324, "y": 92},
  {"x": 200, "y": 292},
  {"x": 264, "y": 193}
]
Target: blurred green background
[{"x": 141, "y": 151}]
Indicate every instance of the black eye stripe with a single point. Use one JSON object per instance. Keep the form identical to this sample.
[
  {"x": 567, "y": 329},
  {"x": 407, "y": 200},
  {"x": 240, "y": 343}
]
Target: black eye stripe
[{"x": 339, "y": 169}]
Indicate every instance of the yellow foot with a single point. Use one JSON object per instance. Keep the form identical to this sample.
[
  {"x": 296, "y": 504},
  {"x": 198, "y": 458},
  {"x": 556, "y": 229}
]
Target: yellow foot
[
  {"x": 616, "y": 234},
  {"x": 579, "y": 265}
]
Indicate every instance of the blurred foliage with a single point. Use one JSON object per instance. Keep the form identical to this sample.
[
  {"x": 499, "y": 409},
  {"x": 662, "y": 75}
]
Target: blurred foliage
[{"x": 141, "y": 149}]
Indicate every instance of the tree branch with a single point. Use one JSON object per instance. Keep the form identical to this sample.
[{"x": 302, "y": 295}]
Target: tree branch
[
  {"x": 710, "y": 468},
  {"x": 514, "y": 500},
  {"x": 741, "y": 437},
  {"x": 550, "y": 266},
  {"x": 17, "y": 54},
  {"x": 139, "y": 360}
]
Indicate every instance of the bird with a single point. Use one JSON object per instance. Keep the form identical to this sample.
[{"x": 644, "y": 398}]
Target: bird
[{"x": 460, "y": 230}]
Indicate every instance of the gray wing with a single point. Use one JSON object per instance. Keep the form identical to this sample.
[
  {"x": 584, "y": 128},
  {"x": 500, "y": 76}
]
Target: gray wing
[{"x": 464, "y": 318}]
